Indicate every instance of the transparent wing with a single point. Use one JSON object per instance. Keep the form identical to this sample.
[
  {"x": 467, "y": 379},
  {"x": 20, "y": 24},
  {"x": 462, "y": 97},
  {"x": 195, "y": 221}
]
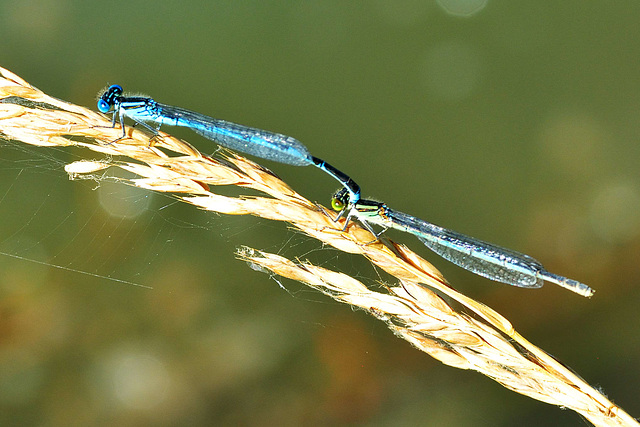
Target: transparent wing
[
  {"x": 256, "y": 142},
  {"x": 482, "y": 258}
]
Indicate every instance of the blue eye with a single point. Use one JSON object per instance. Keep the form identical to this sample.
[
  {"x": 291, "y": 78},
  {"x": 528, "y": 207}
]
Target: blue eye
[{"x": 103, "y": 106}]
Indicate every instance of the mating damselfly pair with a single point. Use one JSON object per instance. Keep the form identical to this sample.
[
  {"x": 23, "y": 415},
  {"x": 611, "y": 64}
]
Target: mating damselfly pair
[{"x": 482, "y": 258}]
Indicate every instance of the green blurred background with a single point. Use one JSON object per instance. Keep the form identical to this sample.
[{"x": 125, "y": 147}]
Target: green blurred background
[{"x": 513, "y": 122}]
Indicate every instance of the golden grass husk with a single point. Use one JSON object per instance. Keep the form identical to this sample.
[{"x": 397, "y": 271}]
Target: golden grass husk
[{"x": 411, "y": 308}]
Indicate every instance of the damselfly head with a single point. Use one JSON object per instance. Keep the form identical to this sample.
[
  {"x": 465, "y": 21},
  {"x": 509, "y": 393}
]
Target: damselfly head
[
  {"x": 108, "y": 98},
  {"x": 340, "y": 200}
]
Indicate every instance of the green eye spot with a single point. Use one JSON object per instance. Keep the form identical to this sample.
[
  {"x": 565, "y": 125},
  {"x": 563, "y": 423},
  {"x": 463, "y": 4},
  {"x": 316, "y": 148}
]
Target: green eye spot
[{"x": 336, "y": 204}]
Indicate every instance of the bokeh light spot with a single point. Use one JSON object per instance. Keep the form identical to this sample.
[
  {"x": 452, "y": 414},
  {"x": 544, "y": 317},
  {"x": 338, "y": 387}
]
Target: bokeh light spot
[
  {"x": 614, "y": 212},
  {"x": 573, "y": 142},
  {"x": 123, "y": 201},
  {"x": 137, "y": 379},
  {"x": 452, "y": 70}
]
